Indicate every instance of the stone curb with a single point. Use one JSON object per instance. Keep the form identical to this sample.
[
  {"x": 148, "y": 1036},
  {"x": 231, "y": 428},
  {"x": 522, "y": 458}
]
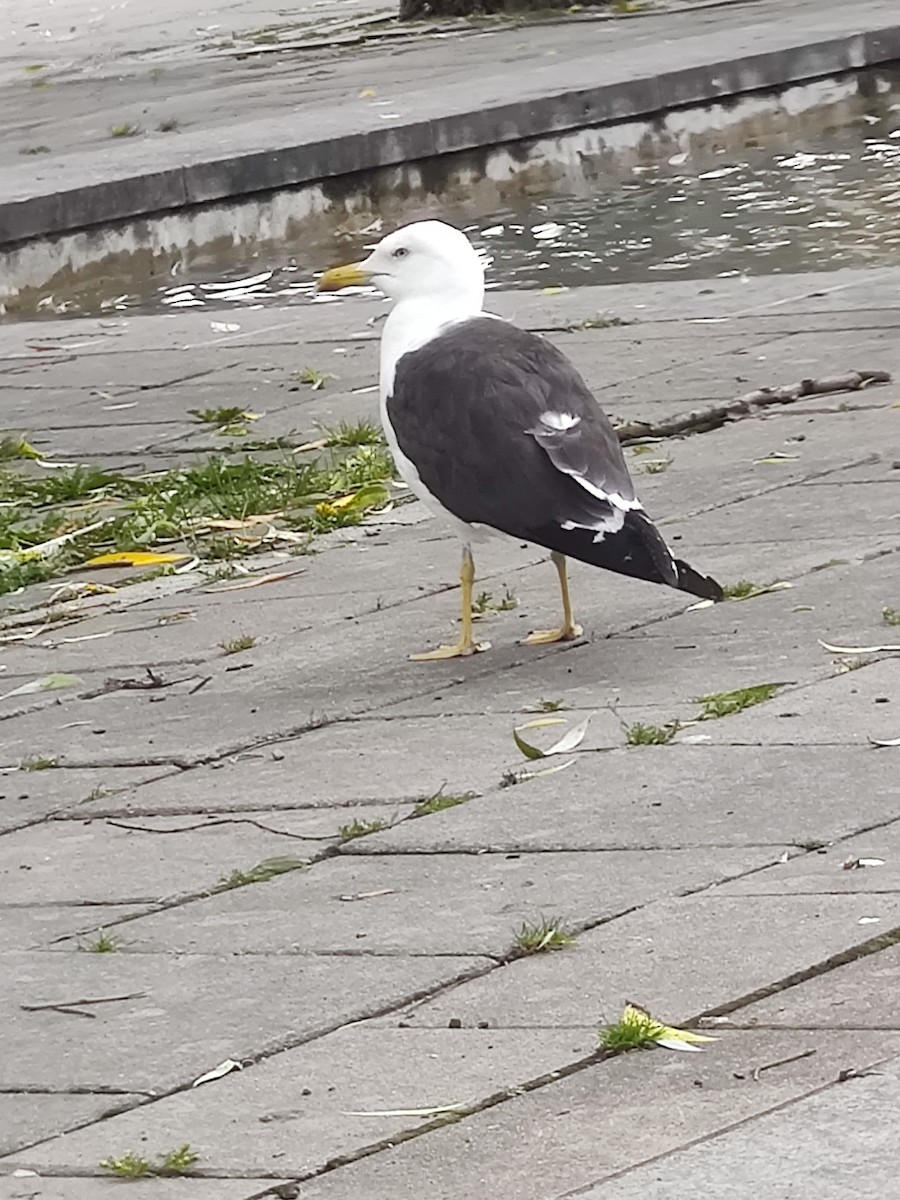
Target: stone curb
[{"x": 56, "y": 200}]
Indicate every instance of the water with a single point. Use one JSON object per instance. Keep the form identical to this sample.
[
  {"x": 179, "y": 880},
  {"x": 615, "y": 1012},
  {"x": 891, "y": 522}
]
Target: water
[{"x": 806, "y": 180}]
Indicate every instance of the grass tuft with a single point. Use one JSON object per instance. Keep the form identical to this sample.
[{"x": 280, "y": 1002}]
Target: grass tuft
[
  {"x": 268, "y": 869},
  {"x": 890, "y": 616},
  {"x": 357, "y": 829},
  {"x": 725, "y": 704},
  {"x": 549, "y": 933},
  {"x": 640, "y": 734},
  {"x": 633, "y": 1030},
  {"x": 348, "y": 434},
  {"x": 129, "y": 1166},
  {"x": 740, "y": 590},
  {"x": 439, "y": 801},
  {"x": 104, "y": 943},
  {"x": 36, "y": 762},
  {"x": 235, "y": 645},
  {"x": 125, "y": 130}
]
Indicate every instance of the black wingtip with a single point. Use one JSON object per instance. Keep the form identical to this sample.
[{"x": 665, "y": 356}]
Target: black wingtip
[{"x": 692, "y": 581}]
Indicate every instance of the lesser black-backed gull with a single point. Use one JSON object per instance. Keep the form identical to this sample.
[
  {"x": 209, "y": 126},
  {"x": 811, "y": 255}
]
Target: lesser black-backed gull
[{"x": 495, "y": 431}]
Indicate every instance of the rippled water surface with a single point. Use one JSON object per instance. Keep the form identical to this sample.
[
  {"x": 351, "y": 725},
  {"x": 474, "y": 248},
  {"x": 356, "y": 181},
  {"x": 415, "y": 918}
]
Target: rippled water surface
[{"x": 818, "y": 188}]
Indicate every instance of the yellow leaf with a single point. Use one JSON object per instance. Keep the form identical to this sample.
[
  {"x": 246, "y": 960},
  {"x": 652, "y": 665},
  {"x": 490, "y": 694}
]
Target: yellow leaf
[
  {"x": 553, "y": 290},
  {"x": 367, "y": 93},
  {"x": 134, "y": 558}
]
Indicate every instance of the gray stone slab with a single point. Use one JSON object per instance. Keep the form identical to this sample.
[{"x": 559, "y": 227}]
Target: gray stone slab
[
  {"x": 27, "y": 796},
  {"x": 26, "y": 1118},
  {"x": 679, "y": 958},
  {"x": 860, "y": 995},
  {"x": 439, "y": 904},
  {"x": 827, "y": 1141},
  {"x": 669, "y": 796},
  {"x": 94, "y": 1188},
  {"x": 605, "y": 1119},
  {"x": 846, "y": 709},
  {"x": 836, "y": 869},
  {"x": 191, "y": 1013},
  {"x": 299, "y": 1110},
  {"x": 25, "y": 927},
  {"x": 94, "y": 862}
]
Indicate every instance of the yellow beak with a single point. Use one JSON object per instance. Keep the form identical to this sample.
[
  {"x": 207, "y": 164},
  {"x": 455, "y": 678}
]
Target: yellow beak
[{"x": 351, "y": 275}]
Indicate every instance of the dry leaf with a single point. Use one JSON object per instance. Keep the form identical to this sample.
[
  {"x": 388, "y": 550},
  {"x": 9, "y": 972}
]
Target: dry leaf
[
  {"x": 857, "y": 649},
  {"x": 410, "y": 1112},
  {"x": 224, "y": 1068},
  {"x": 47, "y": 683},
  {"x": 892, "y": 742},
  {"x": 566, "y": 743},
  {"x": 255, "y": 582},
  {"x": 134, "y": 558},
  {"x": 223, "y": 327}
]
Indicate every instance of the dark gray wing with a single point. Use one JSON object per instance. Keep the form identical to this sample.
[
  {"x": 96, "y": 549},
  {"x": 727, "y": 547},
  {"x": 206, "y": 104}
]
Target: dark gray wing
[{"x": 505, "y": 433}]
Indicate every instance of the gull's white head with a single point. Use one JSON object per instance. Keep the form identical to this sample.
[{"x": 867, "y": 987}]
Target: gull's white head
[{"x": 428, "y": 260}]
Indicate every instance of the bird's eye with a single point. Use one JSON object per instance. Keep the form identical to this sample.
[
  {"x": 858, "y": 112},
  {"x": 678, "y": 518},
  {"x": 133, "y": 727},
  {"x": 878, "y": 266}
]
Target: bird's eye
[{"x": 400, "y": 252}]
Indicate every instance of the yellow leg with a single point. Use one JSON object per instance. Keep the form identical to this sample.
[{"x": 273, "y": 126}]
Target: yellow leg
[
  {"x": 569, "y": 631},
  {"x": 466, "y": 644}
]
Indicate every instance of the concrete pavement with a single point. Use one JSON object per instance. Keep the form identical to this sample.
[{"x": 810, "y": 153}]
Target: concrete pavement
[
  {"x": 119, "y": 113},
  {"x": 201, "y": 838}
]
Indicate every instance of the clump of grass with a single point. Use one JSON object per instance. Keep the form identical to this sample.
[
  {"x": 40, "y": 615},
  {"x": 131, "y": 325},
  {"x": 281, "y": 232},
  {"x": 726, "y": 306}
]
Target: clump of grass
[
  {"x": 246, "y": 641},
  {"x": 357, "y": 829},
  {"x": 178, "y": 1162},
  {"x": 35, "y": 150},
  {"x": 21, "y": 575},
  {"x": 725, "y": 704},
  {"x": 268, "y": 869},
  {"x": 740, "y": 590},
  {"x": 229, "y": 420},
  {"x": 347, "y": 434},
  {"x": 656, "y": 466},
  {"x": 312, "y": 379},
  {"x": 168, "y": 125},
  {"x": 890, "y": 616},
  {"x": 36, "y": 762},
  {"x": 549, "y": 933},
  {"x": 129, "y": 1166},
  {"x": 133, "y": 1166},
  {"x": 634, "y": 1029},
  {"x": 640, "y": 734},
  {"x": 12, "y": 446},
  {"x": 125, "y": 129},
  {"x": 603, "y": 322},
  {"x": 853, "y": 662},
  {"x": 547, "y": 706},
  {"x": 104, "y": 943},
  {"x": 439, "y": 801},
  {"x": 484, "y": 602}
]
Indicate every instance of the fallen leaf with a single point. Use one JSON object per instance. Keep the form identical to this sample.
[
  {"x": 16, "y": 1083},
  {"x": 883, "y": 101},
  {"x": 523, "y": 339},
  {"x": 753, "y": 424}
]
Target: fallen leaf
[
  {"x": 566, "y": 743},
  {"x": 46, "y": 683},
  {"x": 526, "y": 748},
  {"x": 524, "y": 776},
  {"x": 892, "y": 742},
  {"x": 223, "y": 327},
  {"x": 553, "y": 290},
  {"x": 665, "y": 1035},
  {"x": 857, "y": 649},
  {"x": 134, "y": 558},
  {"x": 255, "y": 582},
  {"x": 224, "y": 1068},
  {"x": 369, "y": 895},
  {"x": 318, "y": 444},
  {"x": 868, "y": 920},
  {"x": 410, "y": 1112},
  {"x": 700, "y": 604}
]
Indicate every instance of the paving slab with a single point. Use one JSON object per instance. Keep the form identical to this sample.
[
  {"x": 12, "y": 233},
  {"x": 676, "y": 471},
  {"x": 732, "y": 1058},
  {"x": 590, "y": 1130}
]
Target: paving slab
[
  {"x": 837, "y": 869},
  {"x": 294, "y": 1113},
  {"x": 434, "y": 904},
  {"x": 828, "y": 1141},
  {"x": 94, "y": 1188},
  {"x": 94, "y": 862},
  {"x": 646, "y": 1104},
  {"x": 27, "y": 796},
  {"x": 27, "y": 1117},
  {"x": 846, "y": 709},
  {"x": 25, "y": 927},
  {"x": 679, "y": 958},
  {"x": 167, "y": 1034},
  {"x": 670, "y": 796}
]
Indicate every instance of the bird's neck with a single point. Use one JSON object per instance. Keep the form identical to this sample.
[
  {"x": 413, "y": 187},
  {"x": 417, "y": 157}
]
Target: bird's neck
[{"x": 413, "y": 322}]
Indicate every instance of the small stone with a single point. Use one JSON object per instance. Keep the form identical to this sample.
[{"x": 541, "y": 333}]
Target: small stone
[
  {"x": 454, "y": 1023},
  {"x": 484, "y": 1024}
]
